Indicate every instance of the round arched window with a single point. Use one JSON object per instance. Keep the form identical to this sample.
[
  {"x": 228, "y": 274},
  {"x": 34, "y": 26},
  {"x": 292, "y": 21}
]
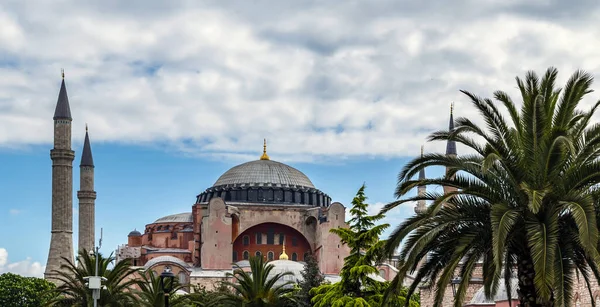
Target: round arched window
[
  {"x": 294, "y": 257},
  {"x": 270, "y": 256},
  {"x": 246, "y": 255}
]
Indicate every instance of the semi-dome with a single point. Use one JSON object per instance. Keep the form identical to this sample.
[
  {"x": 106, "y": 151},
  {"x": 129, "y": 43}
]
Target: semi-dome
[
  {"x": 265, "y": 181},
  {"x": 265, "y": 172},
  {"x": 176, "y": 218}
]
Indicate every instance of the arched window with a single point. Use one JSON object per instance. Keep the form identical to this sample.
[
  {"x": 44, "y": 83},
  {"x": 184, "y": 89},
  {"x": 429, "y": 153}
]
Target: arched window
[
  {"x": 159, "y": 228},
  {"x": 246, "y": 255},
  {"x": 258, "y": 238},
  {"x": 382, "y": 273},
  {"x": 182, "y": 278},
  {"x": 294, "y": 257},
  {"x": 270, "y": 256},
  {"x": 246, "y": 240},
  {"x": 258, "y": 254},
  {"x": 234, "y": 256},
  {"x": 281, "y": 238},
  {"x": 174, "y": 235}
]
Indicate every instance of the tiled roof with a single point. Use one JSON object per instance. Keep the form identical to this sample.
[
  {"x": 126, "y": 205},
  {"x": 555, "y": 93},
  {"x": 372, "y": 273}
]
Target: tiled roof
[{"x": 264, "y": 171}]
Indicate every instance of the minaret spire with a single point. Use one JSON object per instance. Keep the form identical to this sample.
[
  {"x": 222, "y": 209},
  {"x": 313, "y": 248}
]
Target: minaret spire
[
  {"x": 421, "y": 190},
  {"x": 451, "y": 145},
  {"x": 61, "y": 241},
  {"x": 264, "y": 155},
  {"x": 87, "y": 197}
]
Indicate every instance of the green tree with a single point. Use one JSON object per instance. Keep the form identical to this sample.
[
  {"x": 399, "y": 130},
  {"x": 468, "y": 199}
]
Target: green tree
[
  {"x": 116, "y": 289},
  {"x": 311, "y": 278},
  {"x": 358, "y": 286},
  {"x": 150, "y": 292},
  {"x": 19, "y": 291},
  {"x": 204, "y": 298},
  {"x": 526, "y": 199},
  {"x": 256, "y": 288}
]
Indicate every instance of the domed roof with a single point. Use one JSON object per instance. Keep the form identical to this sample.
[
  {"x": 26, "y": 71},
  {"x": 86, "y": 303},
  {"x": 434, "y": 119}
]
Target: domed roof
[
  {"x": 264, "y": 171},
  {"x": 135, "y": 233},
  {"x": 170, "y": 259},
  {"x": 501, "y": 294},
  {"x": 283, "y": 266},
  {"x": 176, "y": 218}
]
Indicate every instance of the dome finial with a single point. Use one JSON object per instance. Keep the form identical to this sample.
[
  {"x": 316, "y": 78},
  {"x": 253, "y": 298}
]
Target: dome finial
[
  {"x": 451, "y": 108},
  {"x": 86, "y": 127},
  {"x": 283, "y": 255},
  {"x": 264, "y": 155}
]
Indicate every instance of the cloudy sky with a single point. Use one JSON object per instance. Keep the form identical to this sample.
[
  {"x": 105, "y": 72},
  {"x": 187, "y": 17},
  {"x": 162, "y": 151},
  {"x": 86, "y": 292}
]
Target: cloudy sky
[{"x": 177, "y": 92}]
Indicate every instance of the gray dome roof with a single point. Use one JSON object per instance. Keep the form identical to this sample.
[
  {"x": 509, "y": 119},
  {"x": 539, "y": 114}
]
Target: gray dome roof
[
  {"x": 501, "y": 294},
  {"x": 171, "y": 259},
  {"x": 135, "y": 233},
  {"x": 176, "y": 218},
  {"x": 264, "y": 171}
]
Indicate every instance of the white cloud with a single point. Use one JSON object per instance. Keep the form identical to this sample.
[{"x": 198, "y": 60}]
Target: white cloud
[
  {"x": 317, "y": 80},
  {"x": 25, "y": 267},
  {"x": 14, "y": 211}
]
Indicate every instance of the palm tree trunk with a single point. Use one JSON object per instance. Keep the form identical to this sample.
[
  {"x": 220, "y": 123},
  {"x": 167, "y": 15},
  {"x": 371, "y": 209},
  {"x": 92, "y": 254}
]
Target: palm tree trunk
[{"x": 526, "y": 274}]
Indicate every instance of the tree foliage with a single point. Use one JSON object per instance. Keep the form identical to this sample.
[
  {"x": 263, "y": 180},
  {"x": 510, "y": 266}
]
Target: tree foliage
[
  {"x": 257, "y": 288},
  {"x": 151, "y": 294},
  {"x": 358, "y": 286},
  {"x": 526, "y": 199},
  {"x": 19, "y": 291},
  {"x": 116, "y": 291},
  {"x": 311, "y": 278}
]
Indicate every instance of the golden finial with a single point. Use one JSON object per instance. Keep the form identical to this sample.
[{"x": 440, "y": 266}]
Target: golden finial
[
  {"x": 283, "y": 255},
  {"x": 264, "y": 155},
  {"x": 62, "y": 72},
  {"x": 86, "y": 129}
]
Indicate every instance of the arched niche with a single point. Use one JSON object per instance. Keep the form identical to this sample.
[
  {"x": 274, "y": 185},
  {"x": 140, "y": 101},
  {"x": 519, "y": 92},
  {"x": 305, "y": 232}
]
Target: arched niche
[{"x": 267, "y": 237}]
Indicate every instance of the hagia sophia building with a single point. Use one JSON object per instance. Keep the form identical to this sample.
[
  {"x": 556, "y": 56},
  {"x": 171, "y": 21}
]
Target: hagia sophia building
[{"x": 259, "y": 208}]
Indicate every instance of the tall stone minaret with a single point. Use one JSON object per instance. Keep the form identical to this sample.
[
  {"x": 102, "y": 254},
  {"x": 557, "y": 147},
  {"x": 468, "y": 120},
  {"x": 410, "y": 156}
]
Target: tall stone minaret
[
  {"x": 86, "y": 196},
  {"x": 421, "y": 190},
  {"x": 61, "y": 242},
  {"x": 450, "y": 147}
]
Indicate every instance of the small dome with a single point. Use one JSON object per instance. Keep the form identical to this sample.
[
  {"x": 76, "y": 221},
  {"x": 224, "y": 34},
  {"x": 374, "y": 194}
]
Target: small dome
[
  {"x": 176, "y": 218},
  {"x": 282, "y": 266},
  {"x": 170, "y": 259},
  {"x": 135, "y": 233},
  {"x": 501, "y": 294},
  {"x": 264, "y": 171}
]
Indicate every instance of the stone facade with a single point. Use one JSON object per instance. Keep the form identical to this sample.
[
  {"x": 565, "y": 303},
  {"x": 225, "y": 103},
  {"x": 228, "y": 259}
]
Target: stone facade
[
  {"x": 87, "y": 201},
  {"x": 61, "y": 242}
]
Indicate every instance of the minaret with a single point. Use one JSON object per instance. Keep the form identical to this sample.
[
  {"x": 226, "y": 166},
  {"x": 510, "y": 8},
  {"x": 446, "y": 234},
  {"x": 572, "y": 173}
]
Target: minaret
[
  {"x": 450, "y": 146},
  {"x": 61, "y": 242},
  {"x": 421, "y": 190},
  {"x": 86, "y": 196}
]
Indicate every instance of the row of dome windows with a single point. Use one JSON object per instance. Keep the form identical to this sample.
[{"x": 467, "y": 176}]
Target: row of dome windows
[
  {"x": 269, "y": 195},
  {"x": 270, "y": 239},
  {"x": 270, "y": 256}
]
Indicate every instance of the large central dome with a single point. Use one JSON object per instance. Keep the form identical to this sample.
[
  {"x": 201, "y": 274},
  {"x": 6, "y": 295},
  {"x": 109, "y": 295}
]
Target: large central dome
[
  {"x": 265, "y": 182},
  {"x": 265, "y": 172}
]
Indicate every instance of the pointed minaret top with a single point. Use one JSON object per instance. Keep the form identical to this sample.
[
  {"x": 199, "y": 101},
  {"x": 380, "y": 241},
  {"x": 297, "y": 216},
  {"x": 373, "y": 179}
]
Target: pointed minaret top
[
  {"x": 264, "y": 155},
  {"x": 86, "y": 154},
  {"x": 283, "y": 255},
  {"x": 451, "y": 145},
  {"x": 62, "y": 111}
]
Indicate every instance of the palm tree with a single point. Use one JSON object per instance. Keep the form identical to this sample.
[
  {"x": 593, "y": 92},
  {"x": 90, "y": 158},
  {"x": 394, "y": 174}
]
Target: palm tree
[
  {"x": 526, "y": 202},
  {"x": 115, "y": 291},
  {"x": 256, "y": 289},
  {"x": 152, "y": 295}
]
